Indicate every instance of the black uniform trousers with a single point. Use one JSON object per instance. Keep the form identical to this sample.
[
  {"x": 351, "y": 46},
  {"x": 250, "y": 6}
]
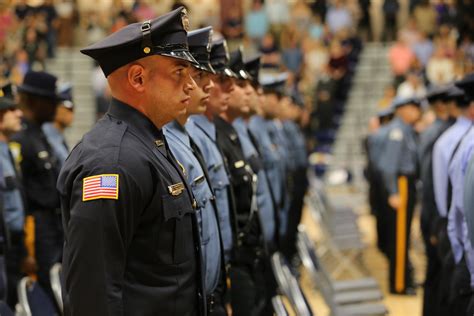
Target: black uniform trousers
[
  {"x": 399, "y": 235},
  {"x": 460, "y": 290},
  {"x": 299, "y": 186},
  {"x": 378, "y": 201},
  {"x": 432, "y": 276},
  {"x": 247, "y": 288},
  {"x": 445, "y": 255},
  {"x": 14, "y": 257},
  {"x": 49, "y": 241}
]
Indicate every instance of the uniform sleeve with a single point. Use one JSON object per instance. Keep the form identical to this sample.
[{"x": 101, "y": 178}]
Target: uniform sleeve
[
  {"x": 468, "y": 199},
  {"x": 98, "y": 233},
  {"x": 440, "y": 176},
  {"x": 390, "y": 160}
]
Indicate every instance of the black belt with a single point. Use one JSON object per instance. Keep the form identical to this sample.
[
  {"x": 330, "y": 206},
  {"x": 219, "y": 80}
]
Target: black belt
[{"x": 211, "y": 301}]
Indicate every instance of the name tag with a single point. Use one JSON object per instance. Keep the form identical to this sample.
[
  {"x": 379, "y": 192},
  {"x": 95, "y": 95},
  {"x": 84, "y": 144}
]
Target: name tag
[
  {"x": 198, "y": 179},
  {"x": 239, "y": 164},
  {"x": 176, "y": 189}
]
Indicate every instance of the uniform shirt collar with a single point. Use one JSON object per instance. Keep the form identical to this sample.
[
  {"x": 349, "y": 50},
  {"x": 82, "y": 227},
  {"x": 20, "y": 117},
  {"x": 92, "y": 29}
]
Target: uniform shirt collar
[
  {"x": 140, "y": 123},
  {"x": 175, "y": 129},
  {"x": 203, "y": 122},
  {"x": 462, "y": 120}
]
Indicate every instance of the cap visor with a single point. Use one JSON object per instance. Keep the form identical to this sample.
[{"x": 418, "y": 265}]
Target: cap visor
[{"x": 183, "y": 55}]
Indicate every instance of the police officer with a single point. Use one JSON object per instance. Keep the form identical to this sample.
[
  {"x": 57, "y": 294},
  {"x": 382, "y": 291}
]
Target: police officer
[
  {"x": 269, "y": 155},
  {"x": 54, "y": 131},
  {"x": 375, "y": 145},
  {"x": 460, "y": 285},
  {"x": 13, "y": 203},
  {"x": 190, "y": 159},
  {"x": 437, "y": 100},
  {"x": 241, "y": 107},
  {"x": 398, "y": 165},
  {"x": 131, "y": 237},
  {"x": 443, "y": 152},
  {"x": 274, "y": 92},
  {"x": 202, "y": 130},
  {"x": 291, "y": 114},
  {"x": 40, "y": 170},
  {"x": 248, "y": 285}
]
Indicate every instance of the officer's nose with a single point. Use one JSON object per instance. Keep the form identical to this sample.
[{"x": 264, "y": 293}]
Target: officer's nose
[
  {"x": 190, "y": 85},
  {"x": 210, "y": 86}
]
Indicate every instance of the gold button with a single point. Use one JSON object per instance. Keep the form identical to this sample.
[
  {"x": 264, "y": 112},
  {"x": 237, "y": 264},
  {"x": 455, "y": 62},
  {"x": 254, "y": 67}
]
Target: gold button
[
  {"x": 194, "y": 204},
  {"x": 146, "y": 50}
]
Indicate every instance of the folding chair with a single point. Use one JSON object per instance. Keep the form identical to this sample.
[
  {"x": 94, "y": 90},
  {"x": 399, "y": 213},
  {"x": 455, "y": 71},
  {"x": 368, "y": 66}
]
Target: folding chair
[
  {"x": 341, "y": 241},
  {"x": 55, "y": 278},
  {"x": 289, "y": 286},
  {"x": 348, "y": 297},
  {"x": 278, "y": 306},
  {"x": 33, "y": 300}
]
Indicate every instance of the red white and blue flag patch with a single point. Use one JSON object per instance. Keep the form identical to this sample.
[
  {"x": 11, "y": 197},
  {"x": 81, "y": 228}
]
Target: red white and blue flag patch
[{"x": 102, "y": 186}]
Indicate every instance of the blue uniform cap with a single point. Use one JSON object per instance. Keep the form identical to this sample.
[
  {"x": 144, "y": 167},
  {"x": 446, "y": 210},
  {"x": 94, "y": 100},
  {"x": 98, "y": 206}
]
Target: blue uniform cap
[
  {"x": 385, "y": 112},
  {"x": 236, "y": 64},
  {"x": 164, "y": 35},
  {"x": 467, "y": 84},
  {"x": 65, "y": 95},
  {"x": 220, "y": 58},
  {"x": 252, "y": 66},
  {"x": 399, "y": 102},
  {"x": 273, "y": 83},
  {"x": 199, "y": 42},
  {"x": 436, "y": 93}
]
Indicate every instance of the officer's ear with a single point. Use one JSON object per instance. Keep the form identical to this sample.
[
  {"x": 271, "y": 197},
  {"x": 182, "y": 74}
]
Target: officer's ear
[{"x": 136, "y": 77}]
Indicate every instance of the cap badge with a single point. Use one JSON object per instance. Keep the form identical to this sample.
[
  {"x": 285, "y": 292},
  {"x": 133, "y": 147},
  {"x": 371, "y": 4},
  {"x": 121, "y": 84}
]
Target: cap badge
[{"x": 185, "y": 20}]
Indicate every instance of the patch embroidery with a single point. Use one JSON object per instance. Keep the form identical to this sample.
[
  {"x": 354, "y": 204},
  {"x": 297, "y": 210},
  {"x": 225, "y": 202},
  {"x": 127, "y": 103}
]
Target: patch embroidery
[
  {"x": 102, "y": 186},
  {"x": 396, "y": 135}
]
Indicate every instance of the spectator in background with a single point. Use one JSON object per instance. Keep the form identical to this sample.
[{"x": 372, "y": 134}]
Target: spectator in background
[
  {"x": 338, "y": 17},
  {"x": 232, "y": 26},
  {"x": 301, "y": 15},
  {"x": 338, "y": 61},
  {"x": 316, "y": 28},
  {"x": 400, "y": 57},
  {"x": 22, "y": 9},
  {"x": 412, "y": 87},
  {"x": 67, "y": 20},
  {"x": 291, "y": 55},
  {"x": 316, "y": 58},
  {"x": 6, "y": 20},
  {"x": 256, "y": 22},
  {"x": 423, "y": 49},
  {"x": 321, "y": 116},
  {"x": 143, "y": 11},
  {"x": 410, "y": 32},
  {"x": 425, "y": 17},
  {"x": 49, "y": 11},
  {"x": 446, "y": 39},
  {"x": 35, "y": 48},
  {"x": 270, "y": 52},
  {"x": 390, "y": 11},
  {"x": 278, "y": 13},
  {"x": 440, "y": 68},
  {"x": 365, "y": 24}
]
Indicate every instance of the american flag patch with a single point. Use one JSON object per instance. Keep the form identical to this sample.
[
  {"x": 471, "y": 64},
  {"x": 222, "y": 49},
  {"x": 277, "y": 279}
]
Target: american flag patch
[{"x": 102, "y": 186}]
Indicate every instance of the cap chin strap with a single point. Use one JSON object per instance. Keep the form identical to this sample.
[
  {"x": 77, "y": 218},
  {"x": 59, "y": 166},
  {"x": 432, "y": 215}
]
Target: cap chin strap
[{"x": 147, "y": 44}]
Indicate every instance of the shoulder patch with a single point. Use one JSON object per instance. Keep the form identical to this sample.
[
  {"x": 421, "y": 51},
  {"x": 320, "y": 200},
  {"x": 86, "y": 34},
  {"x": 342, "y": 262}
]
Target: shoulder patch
[
  {"x": 396, "y": 135},
  {"x": 102, "y": 186}
]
